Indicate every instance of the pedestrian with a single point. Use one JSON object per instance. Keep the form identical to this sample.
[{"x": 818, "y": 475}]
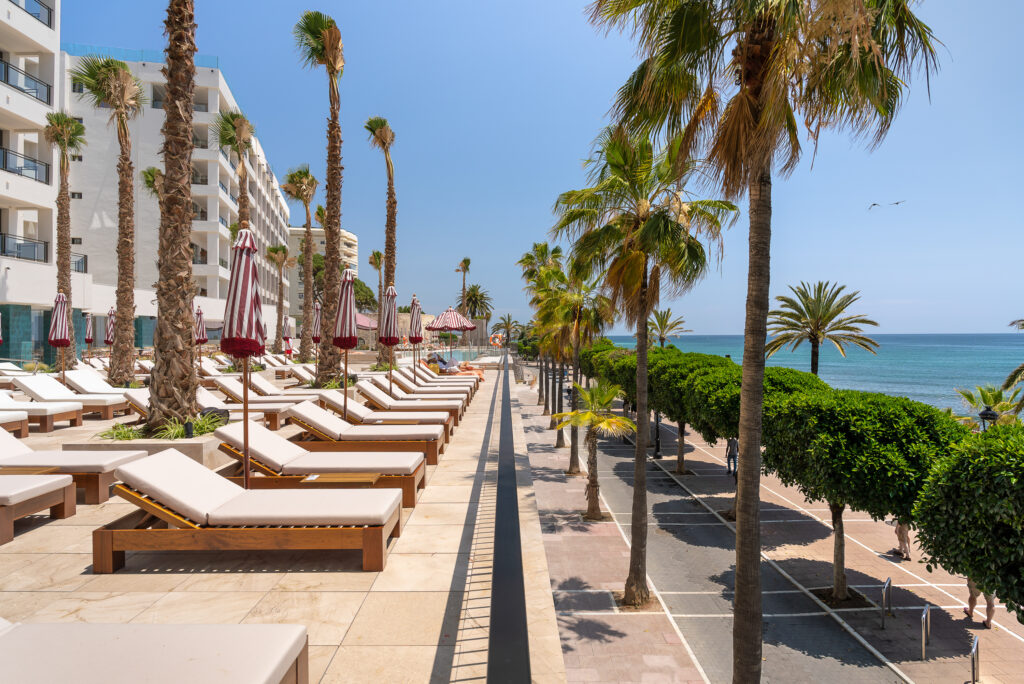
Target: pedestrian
[
  {"x": 732, "y": 454},
  {"x": 972, "y": 601},
  {"x": 903, "y": 538}
]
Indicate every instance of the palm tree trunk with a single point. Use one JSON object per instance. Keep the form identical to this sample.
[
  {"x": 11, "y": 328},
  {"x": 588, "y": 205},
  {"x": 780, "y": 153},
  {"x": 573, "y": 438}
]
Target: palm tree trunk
[
  {"x": 593, "y": 490},
  {"x": 122, "y": 358},
  {"x": 574, "y": 431},
  {"x": 329, "y": 356},
  {"x": 540, "y": 379},
  {"x": 637, "y": 592},
  {"x": 381, "y": 356},
  {"x": 306, "y": 345},
  {"x": 243, "y": 191},
  {"x": 560, "y": 438},
  {"x": 279, "y": 333},
  {"x": 173, "y": 384},
  {"x": 390, "y": 237},
  {"x": 839, "y": 591},
  {"x": 547, "y": 389},
  {"x": 747, "y": 604},
  {"x": 681, "y": 448},
  {"x": 815, "y": 351},
  {"x": 64, "y": 254}
]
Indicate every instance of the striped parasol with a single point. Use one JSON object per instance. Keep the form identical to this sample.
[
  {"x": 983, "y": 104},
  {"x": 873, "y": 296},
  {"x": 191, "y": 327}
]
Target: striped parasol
[
  {"x": 108, "y": 337},
  {"x": 388, "y": 332},
  {"x": 199, "y": 331},
  {"x": 88, "y": 329},
  {"x": 415, "y": 329},
  {"x": 316, "y": 322},
  {"x": 244, "y": 334},
  {"x": 59, "y": 335},
  {"x": 346, "y": 334},
  {"x": 1, "y": 330},
  {"x": 450, "y": 321}
]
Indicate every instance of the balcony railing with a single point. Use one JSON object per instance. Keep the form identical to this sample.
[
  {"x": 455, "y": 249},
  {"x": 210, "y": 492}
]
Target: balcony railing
[
  {"x": 24, "y": 166},
  {"x": 79, "y": 263},
  {"x": 24, "y": 248},
  {"x": 234, "y": 198},
  {"x": 198, "y": 259},
  {"x": 223, "y": 221},
  {"x": 37, "y": 9},
  {"x": 223, "y": 262},
  {"x": 198, "y": 179},
  {"x": 26, "y": 83},
  {"x": 199, "y": 215},
  {"x": 200, "y": 107},
  {"x": 201, "y": 144}
]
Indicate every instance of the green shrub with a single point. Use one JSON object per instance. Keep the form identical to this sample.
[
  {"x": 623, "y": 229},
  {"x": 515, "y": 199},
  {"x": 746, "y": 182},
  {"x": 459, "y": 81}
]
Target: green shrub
[
  {"x": 970, "y": 513},
  {"x": 383, "y": 367},
  {"x": 37, "y": 366},
  {"x": 124, "y": 431}
]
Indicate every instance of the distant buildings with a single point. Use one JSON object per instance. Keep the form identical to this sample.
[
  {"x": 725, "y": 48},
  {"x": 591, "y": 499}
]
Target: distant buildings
[{"x": 349, "y": 259}]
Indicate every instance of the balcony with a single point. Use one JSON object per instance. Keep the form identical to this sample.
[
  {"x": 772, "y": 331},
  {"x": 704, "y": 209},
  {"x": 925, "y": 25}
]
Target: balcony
[
  {"x": 223, "y": 262},
  {"x": 234, "y": 198},
  {"x": 13, "y": 162},
  {"x": 201, "y": 144},
  {"x": 41, "y": 12},
  {"x": 79, "y": 263},
  {"x": 199, "y": 214},
  {"x": 200, "y": 107},
  {"x": 199, "y": 179},
  {"x": 26, "y": 83},
  {"x": 223, "y": 221},
  {"x": 24, "y": 248}
]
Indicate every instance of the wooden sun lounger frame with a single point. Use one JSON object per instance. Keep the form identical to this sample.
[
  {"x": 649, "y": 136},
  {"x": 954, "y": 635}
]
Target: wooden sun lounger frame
[
  {"x": 19, "y": 428},
  {"x": 430, "y": 384},
  {"x": 274, "y": 480},
  {"x": 455, "y": 413},
  {"x": 45, "y": 423},
  {"x": 449, "y": 424},
  {"x": 431, "y": 448},
  {"x": 155, "y": 527},
  {"x": 61, "y": 503}
]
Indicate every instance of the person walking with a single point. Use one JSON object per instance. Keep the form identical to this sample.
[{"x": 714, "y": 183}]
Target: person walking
[
  {"x": 972, "y": 601},
  {"x": 903, "y": 539},
  {"x": 732, "y": 454}
]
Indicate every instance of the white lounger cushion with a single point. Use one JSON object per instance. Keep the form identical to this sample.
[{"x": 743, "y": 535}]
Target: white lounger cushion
[
  {"x": 308, "y": 507},
  {"x": 431, "y": 374},
  {"x": 12, "y": 446},
  {"x": 73, "y": 461},
  {"x": 365, "y": 416},
  {"x": 17, "y": 488},
  {"x": 138, "y": 396},
  {"x": 90, "y": 382},
  {"x": 424, "y": 381},
  {"x": 402, "y": 395},
  {"x": 12, "y": 416},
  {"x": 343, "y": 431},
  {"x": 178, "y": 482},
  {"x": 371, "y": 391},
  {"x": 154, "y": 654},
  {"x": 233, "y": 389},
  {"x": 386, "y": 462},
  {"x": 45, "y": 388},
  {"x": 261, "y": 384},
  {"x": 407, "y": 385},
  {"x": 36, "y": 408},
  {"x": 268, "y": 447}
]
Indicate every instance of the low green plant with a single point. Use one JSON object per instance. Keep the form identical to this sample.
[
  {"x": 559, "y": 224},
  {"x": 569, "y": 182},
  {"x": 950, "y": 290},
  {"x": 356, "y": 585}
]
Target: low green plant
[
  {"x": 201, "y": 425},
  {"x": 37, "y": 366},
  {"x": 257, "y": 367},
  {"x": 124, "y": 431},
  {"x": 383, "y": 367}
]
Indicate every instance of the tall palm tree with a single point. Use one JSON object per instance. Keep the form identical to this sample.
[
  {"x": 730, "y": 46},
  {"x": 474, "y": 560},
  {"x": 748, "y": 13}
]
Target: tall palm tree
[
  {"x": 109, "y": 83},
  {"x": 638, "y": 226},
  {"x": 382, "y": 137},
  {"x": 319, "y": 41},
  {"x": 508, "y": 327},
  {"x": 828, "y": 65},
  {"x": 463, "y": 268},
  {"x": 174, "y": 382},
  {"x": 541, "y": 258},
  {"x": 815, "y": 314},
  {"x": 301, "y": 185},
  {"x": 67, "y": 134},
  {"x": 278, "y": 256},
  {"x": 475, "y": 301},
  {"x": 663, "y": 326},
  {"x": 597, "y": 417},
  {"x": 377, "y": 264},
  {"x": 231, "y": 129}
]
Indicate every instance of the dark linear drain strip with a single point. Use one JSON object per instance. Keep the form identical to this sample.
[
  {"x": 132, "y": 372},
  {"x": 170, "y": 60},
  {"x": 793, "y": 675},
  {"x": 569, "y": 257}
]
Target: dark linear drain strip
[{"x": 508, "y": 648}]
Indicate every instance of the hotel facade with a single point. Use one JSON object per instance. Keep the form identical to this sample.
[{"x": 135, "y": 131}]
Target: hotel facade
[
  {"x": 34, "y": 71},
  {"x": 349, "y": 259}
]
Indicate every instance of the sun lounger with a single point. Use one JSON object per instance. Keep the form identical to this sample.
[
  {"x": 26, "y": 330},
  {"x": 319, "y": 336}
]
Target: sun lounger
[
  {"x": 22, "y": 495},
  {"x": 47, "y": 389},
  {"x": 45, "y": 414},
  {"x": 425, "y": 374},
  {"x": 396, "y": 391},
  {"x": 454, "y": 374},
  {"x": 333, "y": 433},
  {"x": 265, "y": 388},
  {"x": 232, "y": 389},
  {"x": 303, "y": 374},
  {"x": 360, "y": 415},
  {"x": 92, "y": 471},
  {"x": 270, "y": 361},
  {"x": 187, "y": 507},
  {"x": 409, "y": 387},
  {"x": 145, "y": 365},
  {"x": 83, "y": 653},
  {"x": 90, "y": 382},
  {"x": 274, "y": 415},
  {"x": 385, "y": 402},
  {"x": 15, "y": 422},
  {"x": 138, "y": 401},
  {"x": 284, "y": 464}
]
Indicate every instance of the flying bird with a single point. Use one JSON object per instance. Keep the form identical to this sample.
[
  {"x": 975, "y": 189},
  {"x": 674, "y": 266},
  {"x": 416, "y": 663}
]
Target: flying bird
[{"x": 891, "y": 204}]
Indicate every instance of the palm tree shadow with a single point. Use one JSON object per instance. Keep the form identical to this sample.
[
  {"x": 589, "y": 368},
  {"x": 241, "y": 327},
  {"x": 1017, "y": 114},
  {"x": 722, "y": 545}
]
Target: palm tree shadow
[{"x": 576, "y": 629}]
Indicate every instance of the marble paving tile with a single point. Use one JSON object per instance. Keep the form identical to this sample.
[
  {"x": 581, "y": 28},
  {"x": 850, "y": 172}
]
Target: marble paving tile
[
  {"x": 201, "y": 607},
  {"x": 422, "y": 572},
  {"x": 440, "y": 514},
  {"x": 129, "y": 581},
  {"x": 58, "y": 539},
  {"x": 230, "y": 581},
  {"x": 393, "y": 664},
  {"x": 402, "y": 618},
  {"x": 53, "y": 572},
  {"x": 431, "y": 539},
  {"x": 327, "y": 615},
  {"x": 326, "y": 581},
  {"x": 15, "y": 606},
  {"x": 319, "y": 658},
  {"x": 95, "y": 606},
  {"x": 438, "y": 493}
]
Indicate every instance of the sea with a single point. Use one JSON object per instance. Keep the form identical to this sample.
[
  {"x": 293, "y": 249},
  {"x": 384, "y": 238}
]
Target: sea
[{"x": 926, "y": 368}]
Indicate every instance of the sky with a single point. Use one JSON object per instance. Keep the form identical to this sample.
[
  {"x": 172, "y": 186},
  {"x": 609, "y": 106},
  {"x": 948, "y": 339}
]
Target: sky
[{"x": 495, "y": 105}]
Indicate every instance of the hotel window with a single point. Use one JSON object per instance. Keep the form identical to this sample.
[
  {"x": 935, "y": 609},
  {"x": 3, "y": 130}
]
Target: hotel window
[
  {"x": 76, "y": 195},
  {"x": 76, "y": 241},
  {"x": 77, "y": 87},
  {"x": 76, "y": 157},
  {"x": 79, "y": 119}
]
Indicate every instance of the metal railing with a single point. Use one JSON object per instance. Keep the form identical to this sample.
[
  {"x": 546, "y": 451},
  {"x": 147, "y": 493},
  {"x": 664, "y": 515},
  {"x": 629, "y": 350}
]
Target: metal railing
[
  {"x": 127, "y": 55},
  {"x": 43, "y": 13},
  {"x": 29, "y": 167},
  {"x": 223, "y": 262},
  {"x": 200, "y": 107},
  {"x": 24, "y": 248},
  {"x": 25, "y": 82},
  {"x": 926, "y": 629},
  {"x": 79, "y": 263},
  {"x": 201, "y": 144},
  {"x": 234, "y": 198},
  {"x": 886, "y": 602},
  {"x": 223, "y": 221},
  {"x": 199, "y": 214},
  {"x": 198, "y": 179},
  {"x": 976, "y": 660},
  {"x": 198, "y": 259},
  {"x": 224, "y": 188}
]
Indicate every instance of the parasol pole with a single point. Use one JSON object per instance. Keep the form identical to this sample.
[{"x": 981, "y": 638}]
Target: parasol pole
[
  {"x": 345, "y": 401},
  {"x": 245, "y": 422},
  {"x": 62, "y": 380}
]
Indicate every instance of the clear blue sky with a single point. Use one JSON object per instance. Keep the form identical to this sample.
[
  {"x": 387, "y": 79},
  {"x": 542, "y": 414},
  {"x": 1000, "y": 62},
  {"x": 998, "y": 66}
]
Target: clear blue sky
[{"x": 494, "y": 105}]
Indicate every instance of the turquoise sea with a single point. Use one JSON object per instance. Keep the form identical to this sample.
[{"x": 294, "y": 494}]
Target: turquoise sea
[{"x": 926, "y": 368}]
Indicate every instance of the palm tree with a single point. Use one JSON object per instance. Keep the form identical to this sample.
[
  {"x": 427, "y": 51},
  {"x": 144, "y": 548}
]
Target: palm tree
[
  {"x": 319, "y": 41},
  {"x": 463, "y": 268},
  {"x": 815, "y": 314},
  {"x": 377, "y": 263},
  {"x": 231, "y": 129},
  {"x": 535, "y": 263},
  {"x": 301, "y": 185},
  {"x": 174, "y": 382},
  {"x": 476, "y": 302},
  {"x": 638, "y": 226},
  {"x": 278, "y": 256},
  {"x": 508, "y": 327},
  {"x": 989, "y": 396},
  {"x": 108, "y": 83},
  {"x": 382, "y": 137},
  {"x": 67, "y": 134},
  {"x": 596, "y": 415},
  {"x": 830, "y": 66},
  {"x": 663, "y": 326}
]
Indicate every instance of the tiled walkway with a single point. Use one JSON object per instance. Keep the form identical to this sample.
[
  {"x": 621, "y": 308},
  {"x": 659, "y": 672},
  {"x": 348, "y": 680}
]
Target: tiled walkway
[{"x": 424, "y": 618}]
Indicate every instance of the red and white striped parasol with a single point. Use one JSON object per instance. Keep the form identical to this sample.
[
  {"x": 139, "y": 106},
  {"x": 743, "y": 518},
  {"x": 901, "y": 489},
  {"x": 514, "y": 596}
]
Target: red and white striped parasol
[
  {"x": 244, "y": 334},
  {"x": 286, "y": 335},
  {"x": 60, "y": 336},
  {"x": 415, "y": 329},
  {"x": 199, "y": 331},
  {"x": 346, "y": 333},
  {"x": 88, "y": 329},
  {"x": 108, "y": 336},
  {"x": 450, "y": 321},
  {"x": 387, "y": 333},
  {"x": 1, "y": 329},
  {"x": 316, "y": 322}
]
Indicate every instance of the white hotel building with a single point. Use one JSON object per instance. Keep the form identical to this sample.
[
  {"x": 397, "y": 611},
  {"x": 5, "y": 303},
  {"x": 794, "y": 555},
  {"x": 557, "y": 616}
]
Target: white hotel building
[
  {"x": 34, "y": 79},
  {"x": 349, "y": 259}
]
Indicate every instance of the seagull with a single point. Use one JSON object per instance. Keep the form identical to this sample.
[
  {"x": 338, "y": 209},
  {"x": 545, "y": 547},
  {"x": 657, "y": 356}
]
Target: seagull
[
  {"x": 873, "y": 205},
  {"x": 898, "y": 203},
  {"x": 891, "y": 204}
]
